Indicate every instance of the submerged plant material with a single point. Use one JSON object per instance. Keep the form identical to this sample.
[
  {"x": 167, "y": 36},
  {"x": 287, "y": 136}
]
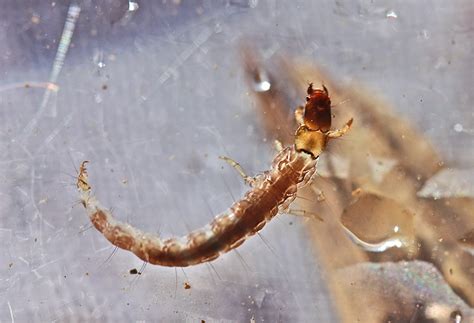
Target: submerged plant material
[
  {"x": 406, "y": 291},
  {"x": 378, "y": 223},
  {"x": 467, "y": 242},
  {"x": 372, "y": 208},
  {"x": 449, "y": 183}
]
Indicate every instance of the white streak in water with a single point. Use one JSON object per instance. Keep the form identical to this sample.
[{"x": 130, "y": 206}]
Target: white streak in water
[
  {"x": 185, "y": 55},
  {"x": 64, "y": 43},
  {"x": 375, "y": 247},
  {"x": 11, "y": 312}
]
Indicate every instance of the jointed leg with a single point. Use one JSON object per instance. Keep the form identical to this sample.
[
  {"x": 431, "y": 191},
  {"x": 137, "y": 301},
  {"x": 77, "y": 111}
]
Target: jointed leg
[
  {"x": 340, "y": 132},
  {"x": 299, "y": 113},
  {"x": 304, "y": 213},
  {"x": 278, "y": 145},
  {"x": 248, "y": 179}
]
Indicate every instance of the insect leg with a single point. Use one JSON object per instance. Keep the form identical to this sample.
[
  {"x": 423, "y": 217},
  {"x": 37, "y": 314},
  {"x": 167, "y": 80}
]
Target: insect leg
[
  {"x": 304, "y": 213},
  {"x": 340, "y": 132},
  {"x": 248, "y": 179},
  {"x": 278, "y": 145},
  {"x": 299, "y": 115}
]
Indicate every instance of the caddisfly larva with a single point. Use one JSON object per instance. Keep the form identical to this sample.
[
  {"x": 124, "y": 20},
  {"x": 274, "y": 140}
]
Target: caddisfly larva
[{"x": 271, "y": 192}]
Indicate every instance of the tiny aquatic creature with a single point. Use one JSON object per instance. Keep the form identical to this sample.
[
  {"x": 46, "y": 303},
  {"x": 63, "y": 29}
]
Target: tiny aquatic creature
[{"x": 271, "y": 193}]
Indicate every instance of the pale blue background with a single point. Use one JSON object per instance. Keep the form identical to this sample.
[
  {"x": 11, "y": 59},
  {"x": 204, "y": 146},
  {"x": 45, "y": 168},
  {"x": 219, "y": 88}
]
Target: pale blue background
[{"x": 176, "y": 99}]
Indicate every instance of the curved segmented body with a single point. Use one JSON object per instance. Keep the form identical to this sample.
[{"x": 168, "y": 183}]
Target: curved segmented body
[{"x": 272, "y": 192}]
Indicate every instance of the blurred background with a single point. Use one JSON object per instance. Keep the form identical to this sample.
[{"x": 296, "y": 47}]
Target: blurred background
[{"x": 151, "y": 93}]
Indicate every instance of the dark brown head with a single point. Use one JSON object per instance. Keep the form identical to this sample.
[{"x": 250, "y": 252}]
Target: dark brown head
[{"x": 317, "y": 111}]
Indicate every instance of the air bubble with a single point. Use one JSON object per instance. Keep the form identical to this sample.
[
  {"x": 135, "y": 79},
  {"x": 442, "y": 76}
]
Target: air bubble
[
  {"x": 458, "y": 127},
  {"x": 391, "y": 14},
  {"x": 262, "y": 82},
  {"x": 263, "y": 86},
  {"x": 456, "y": 317},
  {"x": 377, "y": 223},
  {"x": 98, "y": 98},
  {"x": 132, "y": 6}
]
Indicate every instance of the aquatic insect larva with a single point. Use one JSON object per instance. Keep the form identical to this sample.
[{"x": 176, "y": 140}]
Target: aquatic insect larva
[{"x": 271, "y": 192}]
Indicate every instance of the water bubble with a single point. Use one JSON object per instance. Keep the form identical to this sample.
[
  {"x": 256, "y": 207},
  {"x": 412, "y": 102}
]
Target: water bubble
[
  {"x": 391, "y": 14},
  {"x": 263, "y": 86},
  {"x": 456, "y": 317},
  {"x": 261, "y": 81},
  {"x": 98, "y": 59},
  {"x": 458, "y": 127},
  {"x": 377, "y": 223},
  {"x": 132, "y": 6},
  {"x": 98, "y": 98}
]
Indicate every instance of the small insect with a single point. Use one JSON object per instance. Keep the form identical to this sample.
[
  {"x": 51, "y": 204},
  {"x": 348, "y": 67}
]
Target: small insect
[{"x": 271, "y": 193}]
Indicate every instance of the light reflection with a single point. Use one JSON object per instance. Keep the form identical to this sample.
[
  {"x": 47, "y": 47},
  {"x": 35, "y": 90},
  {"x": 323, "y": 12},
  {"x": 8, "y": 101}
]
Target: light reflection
[
  {"x": 375, "y": 247},
  {"x": 132, "y": 6},
  {"x": 262, "y": 82},
  {"x": 391, "y": 14}
]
